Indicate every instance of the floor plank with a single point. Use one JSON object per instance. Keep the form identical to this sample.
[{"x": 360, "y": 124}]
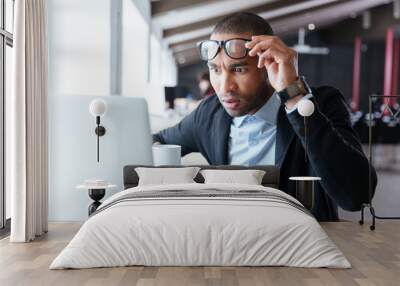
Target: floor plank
[{"x": 375, "y": 257}]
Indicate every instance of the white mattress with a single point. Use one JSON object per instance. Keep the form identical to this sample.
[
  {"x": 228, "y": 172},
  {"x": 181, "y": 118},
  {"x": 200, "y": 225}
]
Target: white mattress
[{"x": 200, "y": 231}]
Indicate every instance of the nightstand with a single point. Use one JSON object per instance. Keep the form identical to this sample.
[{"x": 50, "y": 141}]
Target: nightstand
[{"x": 96, "y": 193}]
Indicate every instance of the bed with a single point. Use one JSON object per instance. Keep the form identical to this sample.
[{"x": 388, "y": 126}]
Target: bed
[{"x": 201, "y": 224}]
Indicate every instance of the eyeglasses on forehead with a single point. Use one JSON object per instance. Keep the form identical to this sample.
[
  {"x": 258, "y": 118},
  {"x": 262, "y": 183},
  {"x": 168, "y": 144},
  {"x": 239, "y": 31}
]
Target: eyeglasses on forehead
[{"x": 234, "y": 48}]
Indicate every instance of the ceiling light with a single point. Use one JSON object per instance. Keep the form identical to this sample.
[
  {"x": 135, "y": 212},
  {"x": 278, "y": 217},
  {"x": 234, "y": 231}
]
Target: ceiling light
[
  {"x": 396, "y": 9},
  {"x": 366, "y": 20}
]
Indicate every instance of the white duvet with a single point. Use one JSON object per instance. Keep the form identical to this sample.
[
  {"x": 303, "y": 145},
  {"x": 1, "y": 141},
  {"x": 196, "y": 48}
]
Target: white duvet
[{"x": 200, "y": 231}]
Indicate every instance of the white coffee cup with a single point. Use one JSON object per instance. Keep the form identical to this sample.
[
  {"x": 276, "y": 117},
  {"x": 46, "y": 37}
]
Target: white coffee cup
[{"x": 166, "y": 154}]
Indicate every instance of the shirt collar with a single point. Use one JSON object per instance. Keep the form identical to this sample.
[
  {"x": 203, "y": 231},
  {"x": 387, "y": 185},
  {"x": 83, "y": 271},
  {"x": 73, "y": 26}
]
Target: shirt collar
[
  {"x": 268, "y": 112},
  {"x": 238, "y": 121}
]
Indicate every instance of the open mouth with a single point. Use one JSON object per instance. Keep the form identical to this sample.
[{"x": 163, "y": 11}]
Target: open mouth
[{"x": 231, "y": 103}]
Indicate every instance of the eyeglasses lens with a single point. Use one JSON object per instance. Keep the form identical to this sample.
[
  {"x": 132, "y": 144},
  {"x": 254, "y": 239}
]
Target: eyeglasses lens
[
  {"x": 208, "y": 50},
  {"x": 235, "y": 48}
]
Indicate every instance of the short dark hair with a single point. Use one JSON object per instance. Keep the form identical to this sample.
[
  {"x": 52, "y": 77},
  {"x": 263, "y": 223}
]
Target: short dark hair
[{"x": 243, "y": 22}]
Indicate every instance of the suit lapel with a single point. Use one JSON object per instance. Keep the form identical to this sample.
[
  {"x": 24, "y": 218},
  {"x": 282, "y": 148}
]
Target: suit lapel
[{"x": 284, "y": 136}]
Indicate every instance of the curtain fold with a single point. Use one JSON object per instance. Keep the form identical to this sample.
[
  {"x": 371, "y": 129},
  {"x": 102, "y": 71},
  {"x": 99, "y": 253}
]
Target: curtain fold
[{"x": 28, "y": 126}]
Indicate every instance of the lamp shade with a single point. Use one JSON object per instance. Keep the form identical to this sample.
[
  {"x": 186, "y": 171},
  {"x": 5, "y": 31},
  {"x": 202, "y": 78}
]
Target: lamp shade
[{"x": 98, "y": 107}]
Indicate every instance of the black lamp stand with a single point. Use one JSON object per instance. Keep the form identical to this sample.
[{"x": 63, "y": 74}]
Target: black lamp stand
[
  {"x": 100, "y": 131},
  {"x": 96, "y": 195}
]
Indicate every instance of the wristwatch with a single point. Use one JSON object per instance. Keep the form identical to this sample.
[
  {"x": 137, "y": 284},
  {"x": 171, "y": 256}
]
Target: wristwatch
[{"x": 300, "y": 86}]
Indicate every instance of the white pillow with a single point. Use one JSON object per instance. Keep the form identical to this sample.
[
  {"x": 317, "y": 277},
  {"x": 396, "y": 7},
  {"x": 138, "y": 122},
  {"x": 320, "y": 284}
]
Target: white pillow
[
  {"x": 163, "y": 176},
  {"x": 248, "y": 177}
]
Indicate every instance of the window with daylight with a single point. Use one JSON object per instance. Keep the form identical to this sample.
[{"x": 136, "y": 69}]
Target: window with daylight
[{"x": 6, "y": 44}]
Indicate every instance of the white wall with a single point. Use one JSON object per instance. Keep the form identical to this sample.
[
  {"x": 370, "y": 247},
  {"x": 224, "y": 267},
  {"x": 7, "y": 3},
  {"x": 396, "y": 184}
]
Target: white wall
[
  {"x": 80, "y": 51},
  {"x": 169, "y": 69},
  {"x": 155, "y": 59},
  {"x": 146, "y": 66},
  {"x": 135, "y": 51},
  {"x": 144, "y": 7},
  {"x": 79, "y": 46}
]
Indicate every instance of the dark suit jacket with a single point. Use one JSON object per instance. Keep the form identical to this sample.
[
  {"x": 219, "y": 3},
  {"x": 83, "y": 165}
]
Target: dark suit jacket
[{"x": 334, "y": 149}]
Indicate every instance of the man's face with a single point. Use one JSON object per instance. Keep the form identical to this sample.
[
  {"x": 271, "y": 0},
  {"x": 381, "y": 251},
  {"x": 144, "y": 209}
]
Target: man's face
[{"x": 240, "y": 85}]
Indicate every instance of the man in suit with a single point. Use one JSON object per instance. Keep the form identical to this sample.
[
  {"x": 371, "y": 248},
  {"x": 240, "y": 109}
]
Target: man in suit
[{"x": 253, "y": 120}]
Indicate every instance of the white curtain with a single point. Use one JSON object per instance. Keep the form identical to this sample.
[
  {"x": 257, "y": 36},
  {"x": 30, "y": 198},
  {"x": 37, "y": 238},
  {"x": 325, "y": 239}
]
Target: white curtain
[{"x": 27, "y": 123}]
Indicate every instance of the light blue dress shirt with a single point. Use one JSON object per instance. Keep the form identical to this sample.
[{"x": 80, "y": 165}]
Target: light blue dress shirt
[{"x": 252, "y": 138}]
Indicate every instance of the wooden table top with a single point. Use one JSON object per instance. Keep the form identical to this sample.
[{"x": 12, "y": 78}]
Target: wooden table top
[{"x": 374, "y": 255}]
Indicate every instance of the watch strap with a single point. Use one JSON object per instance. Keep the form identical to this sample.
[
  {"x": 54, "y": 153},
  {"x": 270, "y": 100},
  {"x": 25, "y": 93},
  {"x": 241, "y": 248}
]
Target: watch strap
[{"x": 300, "y": 86}]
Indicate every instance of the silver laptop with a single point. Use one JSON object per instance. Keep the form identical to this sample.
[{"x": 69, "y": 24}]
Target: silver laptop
[{"x": 73, "y": 148}]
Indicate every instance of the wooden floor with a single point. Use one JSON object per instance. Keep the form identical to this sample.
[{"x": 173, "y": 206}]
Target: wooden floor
[{"x": 375, "y": 257}]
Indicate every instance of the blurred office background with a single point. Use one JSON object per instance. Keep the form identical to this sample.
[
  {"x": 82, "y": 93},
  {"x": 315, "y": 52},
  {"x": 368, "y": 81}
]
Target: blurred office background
[{"x": 148, "y": 49}]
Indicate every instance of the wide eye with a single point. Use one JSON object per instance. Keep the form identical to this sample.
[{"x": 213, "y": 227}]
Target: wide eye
[
  {"x": 239, "y": 69},
  {"x": 214, "y": 69}
]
